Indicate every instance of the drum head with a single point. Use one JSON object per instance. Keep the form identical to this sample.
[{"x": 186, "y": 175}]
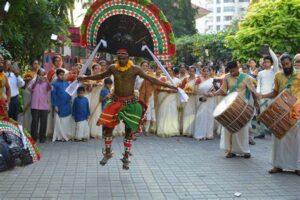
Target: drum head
[{"x": 225, "y": 103}]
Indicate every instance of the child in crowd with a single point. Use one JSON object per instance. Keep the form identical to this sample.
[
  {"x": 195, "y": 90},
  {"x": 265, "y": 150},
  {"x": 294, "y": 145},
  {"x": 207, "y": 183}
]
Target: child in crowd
[
  {"x": 105, "y": 92},
  {"x": 61, "y": 100},
  {"x": 81, "y": 113}
]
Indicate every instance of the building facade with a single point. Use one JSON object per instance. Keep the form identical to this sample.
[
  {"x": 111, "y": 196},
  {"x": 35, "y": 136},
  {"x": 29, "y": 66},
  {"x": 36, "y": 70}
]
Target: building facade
[{"x": 223, "y": 12}]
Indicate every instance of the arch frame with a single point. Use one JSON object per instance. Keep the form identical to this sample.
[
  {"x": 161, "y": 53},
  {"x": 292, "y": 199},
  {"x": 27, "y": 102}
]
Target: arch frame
[{"x": 143, "y": 10}]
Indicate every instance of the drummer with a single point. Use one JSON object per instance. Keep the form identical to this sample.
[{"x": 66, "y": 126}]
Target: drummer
[
  {"x": 286, "y": 151},
  {"x": 237, "y": 143}
]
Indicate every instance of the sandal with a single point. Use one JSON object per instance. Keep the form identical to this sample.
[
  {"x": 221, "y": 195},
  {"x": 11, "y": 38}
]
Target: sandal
[
  {"x": 230, "y": 155},
  {"x": 275, "y": 170},
  {"x": 247, "y": 155}
]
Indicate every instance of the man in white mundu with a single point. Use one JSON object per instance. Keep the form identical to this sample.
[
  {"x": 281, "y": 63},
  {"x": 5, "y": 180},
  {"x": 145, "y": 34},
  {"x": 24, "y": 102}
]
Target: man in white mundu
[
  {"x": 286, "y": 151},
  {"x": 236, "y": 143},
  {"x": 204, "y": 120},
  {"x": 189, "y": 85},
  {"x": 265, "y": 84},
  {"x": 167, "y": 115}
]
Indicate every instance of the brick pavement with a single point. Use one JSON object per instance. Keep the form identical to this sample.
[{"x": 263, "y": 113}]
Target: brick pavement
[{"x": 162, "y": 168}]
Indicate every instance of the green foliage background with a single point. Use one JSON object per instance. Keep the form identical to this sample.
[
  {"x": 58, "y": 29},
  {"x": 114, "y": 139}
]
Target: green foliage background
[
  {"x": 26, "y": 29},
  {"x": 180, "y": 14},
  {"x": 276, "y": 23}
]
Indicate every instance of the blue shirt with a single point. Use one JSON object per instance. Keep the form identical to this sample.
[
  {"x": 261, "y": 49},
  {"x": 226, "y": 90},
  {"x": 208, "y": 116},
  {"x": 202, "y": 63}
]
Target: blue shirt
[
  {"x": 81, "y": 109},
  {"x": 60, "y": 98},
  {"x": 103, "y": 94}
]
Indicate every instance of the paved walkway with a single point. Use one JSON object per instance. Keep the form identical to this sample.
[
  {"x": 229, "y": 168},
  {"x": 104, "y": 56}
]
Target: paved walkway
[{"x": 172, "y": 168}]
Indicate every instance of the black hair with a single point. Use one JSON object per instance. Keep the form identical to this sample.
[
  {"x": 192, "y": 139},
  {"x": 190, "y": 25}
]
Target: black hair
[
  {"x": 251, "y": 59},
  {"x": 32, "y": 61},
  {"x": 286, "y": 56},
  {"x": 209, "y": 68},
  {"x": 192, "y": 67},
  {"x": 54, "y": 58},
  {"x": 102, "y": 61},
  {"x": 145, "y": 61},
  {"x": 245, "y": 66},
  {"x": 95, "y": 65},
  {"x": 108, "y": 81},
  {"x": 80, "y": 89},
  {"x": 268, "y": 58},
  {"x": 230, "y": 65},
  {"x": 175, "y": 70},
  {"x": 59, "y": 71},
  {"x": 88, "y": 72}
]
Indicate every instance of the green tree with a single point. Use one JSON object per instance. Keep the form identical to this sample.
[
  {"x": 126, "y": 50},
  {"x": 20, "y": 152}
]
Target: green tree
[
  {"x": 275, "y": 23},
  {"x": 26, "y": 29},
  {"x": 191, "y": 49},
  {"x": 181, "y": 15}
]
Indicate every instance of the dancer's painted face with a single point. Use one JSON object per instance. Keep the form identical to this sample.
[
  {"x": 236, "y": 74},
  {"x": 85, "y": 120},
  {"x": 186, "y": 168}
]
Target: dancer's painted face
[{"x": 123, "y": 59}]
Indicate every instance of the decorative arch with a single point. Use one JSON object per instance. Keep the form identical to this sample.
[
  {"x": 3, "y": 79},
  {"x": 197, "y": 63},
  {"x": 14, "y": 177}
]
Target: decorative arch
[{"x": 143, "y": 10}]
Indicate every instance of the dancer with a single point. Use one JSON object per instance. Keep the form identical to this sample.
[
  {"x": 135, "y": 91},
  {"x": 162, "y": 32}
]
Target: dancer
[{"x": 123, "y": 106}]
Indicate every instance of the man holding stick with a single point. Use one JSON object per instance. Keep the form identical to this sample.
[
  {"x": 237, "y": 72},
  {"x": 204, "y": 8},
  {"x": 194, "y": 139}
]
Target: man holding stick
[{"x": 123, "y": 106}]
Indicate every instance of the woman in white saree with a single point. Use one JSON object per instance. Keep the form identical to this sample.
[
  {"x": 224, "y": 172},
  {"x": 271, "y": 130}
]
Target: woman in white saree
[
  {"x": 167, "y": 115},
  {"x": 204, "y": 120},
  {"x": 189, "y": 85}
]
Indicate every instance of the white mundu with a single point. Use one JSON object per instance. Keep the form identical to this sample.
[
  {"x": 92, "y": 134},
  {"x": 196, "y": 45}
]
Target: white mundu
[{"x": 286, "y": 151}]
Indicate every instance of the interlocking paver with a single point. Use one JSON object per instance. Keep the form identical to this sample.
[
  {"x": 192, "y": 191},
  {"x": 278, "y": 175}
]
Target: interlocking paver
[{"x": 161, "y": 168}]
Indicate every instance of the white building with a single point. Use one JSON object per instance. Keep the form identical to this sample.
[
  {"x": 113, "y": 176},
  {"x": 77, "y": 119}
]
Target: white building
[{"x": 223, "y": 12}]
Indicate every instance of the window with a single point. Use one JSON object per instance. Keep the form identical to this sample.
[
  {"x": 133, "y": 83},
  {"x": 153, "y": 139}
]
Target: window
[
  {"x": 218, "y": 18},
  {"x": 218, "y": 10},
  {"x": 228, "y": 1},
  {"x": 218, "y": 27},
  {"x": 229, "y": 9},
  {"x": 227, "y": 18},
  {"x": 218, "y": 1},
  {"x": 243, "y": 0},
  {"x": 242, "y": 9}
]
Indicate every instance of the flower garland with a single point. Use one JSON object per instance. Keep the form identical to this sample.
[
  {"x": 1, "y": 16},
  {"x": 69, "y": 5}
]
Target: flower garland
[{"x": 125, "y": 68}]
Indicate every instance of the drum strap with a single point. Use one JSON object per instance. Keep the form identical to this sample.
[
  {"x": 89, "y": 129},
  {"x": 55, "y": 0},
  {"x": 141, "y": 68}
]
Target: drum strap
[
  {"x": 239, "y": 81},
  {"x": 290, "y": 81}
]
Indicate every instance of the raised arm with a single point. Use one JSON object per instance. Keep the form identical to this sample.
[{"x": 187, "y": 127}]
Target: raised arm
[
  {"x": 275, "y": 61},
  {"x": 101, "y": 76},
  {"x": 153, "y": 80}
]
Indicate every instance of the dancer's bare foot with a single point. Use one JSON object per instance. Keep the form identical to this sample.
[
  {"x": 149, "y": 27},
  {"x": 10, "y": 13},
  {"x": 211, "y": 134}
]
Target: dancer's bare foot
[
  {"x": 106, "y": 157},
  {"x": 275, "y": 170},
  {"x": 126, "y": 162}
]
